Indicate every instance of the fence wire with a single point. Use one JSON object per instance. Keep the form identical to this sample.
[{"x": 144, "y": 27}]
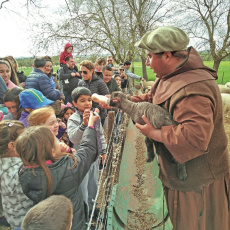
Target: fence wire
[{"x": 109, "y": 174}]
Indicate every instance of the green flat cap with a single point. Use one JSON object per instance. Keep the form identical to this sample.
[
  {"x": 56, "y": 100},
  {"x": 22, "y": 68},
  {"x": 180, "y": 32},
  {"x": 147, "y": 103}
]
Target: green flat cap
[{"x": 164, "y": 39}]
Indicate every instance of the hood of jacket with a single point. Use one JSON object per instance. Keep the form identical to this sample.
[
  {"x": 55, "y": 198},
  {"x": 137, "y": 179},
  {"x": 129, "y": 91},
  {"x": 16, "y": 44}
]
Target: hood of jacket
[
  {"x": 190, "y": 70},
  {"x": 193, "y": 62},
  {"x": 67, "y": 45}
]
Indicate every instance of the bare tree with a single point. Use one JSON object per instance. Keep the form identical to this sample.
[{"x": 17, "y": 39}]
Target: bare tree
[
  {"x": 2, "y": 3},
  {"x": 104, "y": 27},
  {"x": 148, "y": 15},
  {"x": 209, "y": 22}
]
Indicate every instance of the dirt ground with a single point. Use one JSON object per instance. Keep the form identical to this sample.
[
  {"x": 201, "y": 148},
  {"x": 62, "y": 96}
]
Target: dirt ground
[{"x": 140, "y": 219}]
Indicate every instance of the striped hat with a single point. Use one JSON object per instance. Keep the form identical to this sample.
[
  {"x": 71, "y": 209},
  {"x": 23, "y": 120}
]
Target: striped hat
[{"x": 34, "y": 99}]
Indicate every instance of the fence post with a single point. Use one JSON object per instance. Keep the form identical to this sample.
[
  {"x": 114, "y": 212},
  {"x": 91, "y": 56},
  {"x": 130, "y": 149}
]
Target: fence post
[
  {"x": 109, "y": 168},
  {"x": 222, "y": 79},
  {"x": 111, "y": 117}
]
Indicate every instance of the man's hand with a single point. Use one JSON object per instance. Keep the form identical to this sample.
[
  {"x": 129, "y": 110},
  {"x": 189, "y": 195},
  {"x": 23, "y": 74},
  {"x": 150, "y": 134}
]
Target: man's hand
[
  {"x": 86, "y": 115},
  {"x": 149, "y": 131},
  {"x": 105, "y": 106},
  {"x": 77, "y": 74},
  {"x": 73, "y": 74}
]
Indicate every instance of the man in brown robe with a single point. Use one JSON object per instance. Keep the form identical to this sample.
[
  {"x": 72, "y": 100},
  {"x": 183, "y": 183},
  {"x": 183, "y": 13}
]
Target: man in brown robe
[{"x": 188, "y": 90}]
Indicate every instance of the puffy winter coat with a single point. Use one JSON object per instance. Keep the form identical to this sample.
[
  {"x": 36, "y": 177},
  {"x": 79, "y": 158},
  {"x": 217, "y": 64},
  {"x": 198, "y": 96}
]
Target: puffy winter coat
[{"x": 40, "y": 81}]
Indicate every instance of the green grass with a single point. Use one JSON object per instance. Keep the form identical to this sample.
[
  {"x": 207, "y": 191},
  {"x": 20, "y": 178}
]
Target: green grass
[
  {"x": 224, "y": 71},
  {"x": 27, "y": 71}
]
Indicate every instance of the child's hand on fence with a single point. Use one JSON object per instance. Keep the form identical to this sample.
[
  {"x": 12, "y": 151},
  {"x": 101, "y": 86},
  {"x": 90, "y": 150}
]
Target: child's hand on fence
[
  {"x": 86, "y": 115},
  {"x": 92, "y": 119}
]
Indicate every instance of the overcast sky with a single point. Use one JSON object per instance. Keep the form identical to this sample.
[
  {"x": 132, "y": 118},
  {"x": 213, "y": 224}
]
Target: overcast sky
[{"x": 15, "y": 36}]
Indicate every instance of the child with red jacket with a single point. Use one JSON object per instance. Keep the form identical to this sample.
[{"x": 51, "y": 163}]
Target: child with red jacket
[{"x": 66, "y": 53}]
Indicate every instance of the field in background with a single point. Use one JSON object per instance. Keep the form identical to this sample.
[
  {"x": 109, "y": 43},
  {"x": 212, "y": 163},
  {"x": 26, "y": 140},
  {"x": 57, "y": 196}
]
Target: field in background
[{"x": 224, "y": 71}]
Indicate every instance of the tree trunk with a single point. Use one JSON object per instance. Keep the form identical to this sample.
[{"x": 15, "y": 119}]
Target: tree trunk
[
  {"x": 144, "y": 72},
  {"x": 216, "y": 64}
]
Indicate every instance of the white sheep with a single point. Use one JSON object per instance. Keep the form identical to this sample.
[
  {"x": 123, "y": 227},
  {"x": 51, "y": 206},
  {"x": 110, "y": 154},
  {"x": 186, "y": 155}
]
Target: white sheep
[
  {"x": 225, "y": 103},
  {"x": 146, "y": 86},
  {"x": 138, "y": 91},
  {"x": 227, "y": 84},
  {"x": 224, "y": 88},
  {"x": 157, "y": 117}
]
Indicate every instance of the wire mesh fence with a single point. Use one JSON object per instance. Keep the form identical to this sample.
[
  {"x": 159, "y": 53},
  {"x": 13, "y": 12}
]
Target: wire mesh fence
[{"x": 109, "y": 174}]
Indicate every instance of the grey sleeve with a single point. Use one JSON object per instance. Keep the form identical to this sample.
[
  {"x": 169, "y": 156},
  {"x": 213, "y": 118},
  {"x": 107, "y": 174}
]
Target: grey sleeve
[
  {"x": 75, "y": 130},
  {"x": 86, "y": 154},
  {"x": 132, "y": 75}
]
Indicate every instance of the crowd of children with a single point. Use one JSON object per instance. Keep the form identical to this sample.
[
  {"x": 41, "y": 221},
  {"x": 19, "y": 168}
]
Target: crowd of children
[{"x": 49, "y": 160}]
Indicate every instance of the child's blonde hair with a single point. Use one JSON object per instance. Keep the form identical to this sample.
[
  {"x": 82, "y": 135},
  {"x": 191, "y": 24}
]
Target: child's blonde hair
[
  {"x": 40, "y": 116},
  {"x": 9, "y": 131}
]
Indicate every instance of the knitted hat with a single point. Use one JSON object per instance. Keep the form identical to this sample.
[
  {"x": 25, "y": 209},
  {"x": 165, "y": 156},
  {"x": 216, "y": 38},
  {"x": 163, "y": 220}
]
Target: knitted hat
[
  {"x": 164, "y": 39},
  {"x": 34, "y": 99}
]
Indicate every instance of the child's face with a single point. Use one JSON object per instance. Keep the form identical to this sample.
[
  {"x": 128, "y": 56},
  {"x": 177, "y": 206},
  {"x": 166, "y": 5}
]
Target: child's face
[
  {"x": 68, "y": 113},
  {"x": 69, "y": 50},
  {"x": 12, "y": 107},
  {"x": 118, "y": 80},
  {"x": 83, "y": 102},
  {"x": 100, "y": 66},
  {"x": 52, "y": 124}
]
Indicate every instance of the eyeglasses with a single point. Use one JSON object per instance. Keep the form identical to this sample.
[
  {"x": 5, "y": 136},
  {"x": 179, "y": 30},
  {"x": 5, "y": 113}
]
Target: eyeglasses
[
  {"x": 85, "y": 72},
  {"x": 122, "y": 69}
]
